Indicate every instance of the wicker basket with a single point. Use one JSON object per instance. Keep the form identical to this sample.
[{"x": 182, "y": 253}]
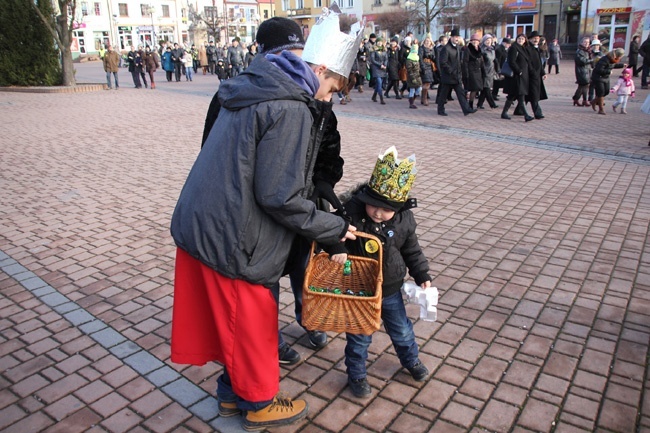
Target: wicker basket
[{"x": 343, "y": 313}]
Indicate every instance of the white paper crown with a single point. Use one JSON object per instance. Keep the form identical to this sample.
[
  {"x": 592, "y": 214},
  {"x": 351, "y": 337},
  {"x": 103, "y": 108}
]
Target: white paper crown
[{"x": 327, "y": 45}]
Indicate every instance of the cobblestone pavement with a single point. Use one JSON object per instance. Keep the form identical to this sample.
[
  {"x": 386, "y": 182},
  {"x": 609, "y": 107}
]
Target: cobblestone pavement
[{"x": 537, "y": 235}]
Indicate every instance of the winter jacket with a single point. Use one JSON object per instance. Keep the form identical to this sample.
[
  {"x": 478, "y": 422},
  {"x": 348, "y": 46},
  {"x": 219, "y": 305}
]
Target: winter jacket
[
  {"x": 472, "y": 66},
  {"x": 583, "y": 65},
  {"x": 621, "y": 88},
  {"x": 401, "y": 250},
  {"x": 413, "y": 79},
  {"x": 211, "y": 53},
  {"x": 245, "y": 198},
  {"x": 167, "y": 62},
  {"x": 111, "y": 61},
  {"x": 644, "y": 50},
  {"x": 536, "y": 70},
  {"x": 151, "y": 61},
  {"x": 393, "y": 64},
  {"x": 633, "y": 56},
  {"x": 603, "y": 70},
  {"x": 131, "y": 58},
  {"x": 362, "y": 59},
  {"x": 518, "y": 60},
  {"x": 379, "y": 58},
  {"x": 203, "y": 56},
  {"x": 554, "y": 54},
  {"x": 490, "y": 66},
  {"x": 177, "y": 55},
  {"x": 236, "y": 56},
  {"x": 449, "y": 64},
  {"x": 427, "y": 60}
]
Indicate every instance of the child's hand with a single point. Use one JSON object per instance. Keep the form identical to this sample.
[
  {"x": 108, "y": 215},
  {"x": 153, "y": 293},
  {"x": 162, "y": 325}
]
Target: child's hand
[
  {"x": 611, "y": 90},
  {"x": 633, "y": 94},
  {"x": 426, "y": 285},
  {"x": 339, "y": 258}
]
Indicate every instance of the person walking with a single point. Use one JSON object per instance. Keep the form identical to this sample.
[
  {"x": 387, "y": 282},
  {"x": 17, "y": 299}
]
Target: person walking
[
  {"x": 517, "y": 86},
  {"x": 188, "y": 62},
  {"x": 427, "y": 71},
  {"x": 151, "y": 64},
  {"x": 203, "y": 59},
  {"x": 449, "y": 63},
  {"x": 378, "y": 67},
  {"x": 393, "y": 69},
  {"x": 554, "y": 56},
  {"x": 633, "y": 55},
  {"x": 212, "y": 57},
  {"x": 491, "y": 69},
  {"x": 168, "y": 63},
  {"x": 111, "y": 66},
  {"x": 600, "y": 77},
  {"x": 473, "y": 68},
  {"x": 135, "y": 66},
  {"x": 143, "y": 69},
  {"x": 624, "y": 89},
  {"x": 362, "y": 63},
  {"x": 235, "y": 58},
  {"x": 230, "y": 252},
  {"x": 644, "y": 51},
  {"x": 537, "y": 90},
  {"x": 413, "y": 77},
  {"x": 177, "y": 58},
  {"x": 500, "y": 55},
  {"x": 583, "y": 64}
]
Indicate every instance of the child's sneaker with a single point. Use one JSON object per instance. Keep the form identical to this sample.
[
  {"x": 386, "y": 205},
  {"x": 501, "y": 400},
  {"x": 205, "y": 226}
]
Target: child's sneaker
[
  {"x": 614, "y": 108},
  {"x": 228, "y": 409},
  {"x": 287, "y": 355},
  {"x": 419, "y": 372},
  {"x": 359, "y": 387},
  {"x": 282, "y": 411},
  {"x": 623, "y": 112}
]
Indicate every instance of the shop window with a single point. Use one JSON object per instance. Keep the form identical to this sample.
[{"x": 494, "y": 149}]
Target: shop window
[
  {"x": 79, "y": 36},
  {"x": 124, "y": 9},
  {"x": 97, "y": 7},
  {"x": 84, "y": 9}
]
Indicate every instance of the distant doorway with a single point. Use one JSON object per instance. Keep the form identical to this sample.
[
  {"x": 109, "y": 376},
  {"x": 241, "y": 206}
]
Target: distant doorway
[
  {"x": 572, "y": 27},
  {"x": 550, "y": 27}
]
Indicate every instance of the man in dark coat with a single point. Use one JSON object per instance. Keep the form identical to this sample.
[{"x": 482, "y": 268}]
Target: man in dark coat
[
  {"x": 537, "y": 75},
  {"x": 644, "y": 50},
  {"x": 177, "y": 58},
  {"x": 235, "y": 58},
  {"x": 211, "y": 53},
  {"x": 451, "y": 76}
]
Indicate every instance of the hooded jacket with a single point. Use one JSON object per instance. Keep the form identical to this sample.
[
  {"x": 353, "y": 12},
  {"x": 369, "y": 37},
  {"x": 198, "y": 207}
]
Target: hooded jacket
[
  {"x": 245, "y": 198},
  {"x": 401, "y": 249}
]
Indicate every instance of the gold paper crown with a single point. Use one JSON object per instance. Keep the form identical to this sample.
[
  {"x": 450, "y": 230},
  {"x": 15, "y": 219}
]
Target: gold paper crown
[
  {"x": 327, "y": 45},
  {"x": 393, "y": 178}
]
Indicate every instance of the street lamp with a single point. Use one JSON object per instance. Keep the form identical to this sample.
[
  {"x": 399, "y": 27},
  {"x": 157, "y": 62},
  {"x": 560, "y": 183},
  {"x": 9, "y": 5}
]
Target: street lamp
[{"x": 151, "y": 11}]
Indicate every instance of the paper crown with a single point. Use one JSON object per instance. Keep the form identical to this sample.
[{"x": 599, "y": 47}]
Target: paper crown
[
  {"x": 327, "y": 45},
  {"x": 392, "y": 178}
]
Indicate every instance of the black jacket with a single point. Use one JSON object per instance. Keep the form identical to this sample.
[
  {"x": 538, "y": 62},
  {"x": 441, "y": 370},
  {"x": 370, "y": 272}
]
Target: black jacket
[
  {"x": 536, "y": 70},
  {"x": 449, "y": 64},
  {"x": 473, "y": 69},
  {"x": 584, "y": 63},
  {"x": 246, "y": 195},
  {"x": 401, "y": 250},
  {"x": 518, "y": 60}
]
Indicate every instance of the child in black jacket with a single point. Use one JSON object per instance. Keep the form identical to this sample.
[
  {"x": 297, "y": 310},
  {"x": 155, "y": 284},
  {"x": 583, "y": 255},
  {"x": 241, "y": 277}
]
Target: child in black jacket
[{"x": 382, "y": 208}]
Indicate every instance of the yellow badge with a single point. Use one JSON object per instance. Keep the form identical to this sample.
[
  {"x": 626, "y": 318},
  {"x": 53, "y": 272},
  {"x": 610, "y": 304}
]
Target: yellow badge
[{"x": 372, "y": 246}]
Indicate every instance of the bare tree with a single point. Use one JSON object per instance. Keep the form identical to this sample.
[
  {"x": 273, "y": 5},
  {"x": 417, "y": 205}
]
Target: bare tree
[
  {"x": 395, "y": 21},
  {"x": 60, "y": 25},
  {"x": 425, "y": 11},
  {"x": 210, "y": 18},
  {"x": 482, "y": 14}
]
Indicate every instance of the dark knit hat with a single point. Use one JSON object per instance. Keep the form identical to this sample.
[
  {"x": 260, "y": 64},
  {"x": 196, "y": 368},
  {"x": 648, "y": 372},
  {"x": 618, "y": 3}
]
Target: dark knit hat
[
  {"x": 277, "y": 34},
  {"x": 455, "y": 32},
  {"x": 372, "y": 35},
  {"x": 506, "y": 41}
]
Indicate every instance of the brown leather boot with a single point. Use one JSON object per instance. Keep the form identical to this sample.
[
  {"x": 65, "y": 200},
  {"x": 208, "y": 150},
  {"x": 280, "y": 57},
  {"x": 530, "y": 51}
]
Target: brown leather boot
[
  {"x": 601, "y": 105},
  {"x": 282, "y": 411}
]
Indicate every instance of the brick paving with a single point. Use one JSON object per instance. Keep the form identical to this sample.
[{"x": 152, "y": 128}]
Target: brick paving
[{"x": 537, "y": 235}]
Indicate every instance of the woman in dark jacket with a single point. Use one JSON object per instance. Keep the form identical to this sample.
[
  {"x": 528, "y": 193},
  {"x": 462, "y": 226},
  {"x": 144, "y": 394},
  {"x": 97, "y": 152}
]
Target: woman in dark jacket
[
  {"x": 583, "y": 62},
  {"x": 600, "y": 77},
  {"x": 473, "y": 70},
  {"x": 492, "y": 69},
  {"x": 393, "y": 69},
  {"x": 427, "y": 62},
  {"x": 378, "y": 69},
  {"x": 516, "y": 87},
  {"x": 362, "y": 59},
  {"x": 151, "y": 63}
]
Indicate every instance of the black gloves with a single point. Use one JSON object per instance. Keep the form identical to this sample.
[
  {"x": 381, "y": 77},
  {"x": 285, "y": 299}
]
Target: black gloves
[{"x": 325, "y": 191}]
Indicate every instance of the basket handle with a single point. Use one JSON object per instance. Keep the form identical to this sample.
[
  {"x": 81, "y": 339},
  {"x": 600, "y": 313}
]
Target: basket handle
[{"x": 362, "y": 235}]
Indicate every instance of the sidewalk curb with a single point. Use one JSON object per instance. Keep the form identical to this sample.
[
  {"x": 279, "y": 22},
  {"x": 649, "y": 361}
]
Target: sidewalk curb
[{"x": 78, "y": 88}]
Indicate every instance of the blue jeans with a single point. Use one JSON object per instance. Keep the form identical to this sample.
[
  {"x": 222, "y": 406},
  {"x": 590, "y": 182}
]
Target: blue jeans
[
  {"x": 379, "y": 85},
  {"x": 226, "y": 394},
  {"x": 414, "y": 91},
  {"x": 399, "y": 328},
  {"x": 108, "y": 79}
]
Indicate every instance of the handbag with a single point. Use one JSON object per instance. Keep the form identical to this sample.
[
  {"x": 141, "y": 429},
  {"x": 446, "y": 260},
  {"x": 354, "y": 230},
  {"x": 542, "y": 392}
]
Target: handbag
[
  {"x": 506, "y": 70},
  {"x": 402, "y": 73},
  {"x": 646, "y": 105}
]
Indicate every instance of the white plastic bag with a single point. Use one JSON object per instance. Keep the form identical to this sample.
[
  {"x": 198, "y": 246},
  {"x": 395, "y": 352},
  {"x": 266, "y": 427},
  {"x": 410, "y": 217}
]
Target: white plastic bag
[{"x": 426, "y": 299}]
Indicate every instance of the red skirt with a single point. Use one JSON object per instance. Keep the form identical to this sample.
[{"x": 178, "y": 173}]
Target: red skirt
[{"x": 216, "y": 318}]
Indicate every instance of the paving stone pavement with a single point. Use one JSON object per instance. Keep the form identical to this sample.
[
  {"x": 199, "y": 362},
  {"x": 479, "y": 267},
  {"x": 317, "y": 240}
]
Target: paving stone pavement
[{"x": 536, "y": 234}]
